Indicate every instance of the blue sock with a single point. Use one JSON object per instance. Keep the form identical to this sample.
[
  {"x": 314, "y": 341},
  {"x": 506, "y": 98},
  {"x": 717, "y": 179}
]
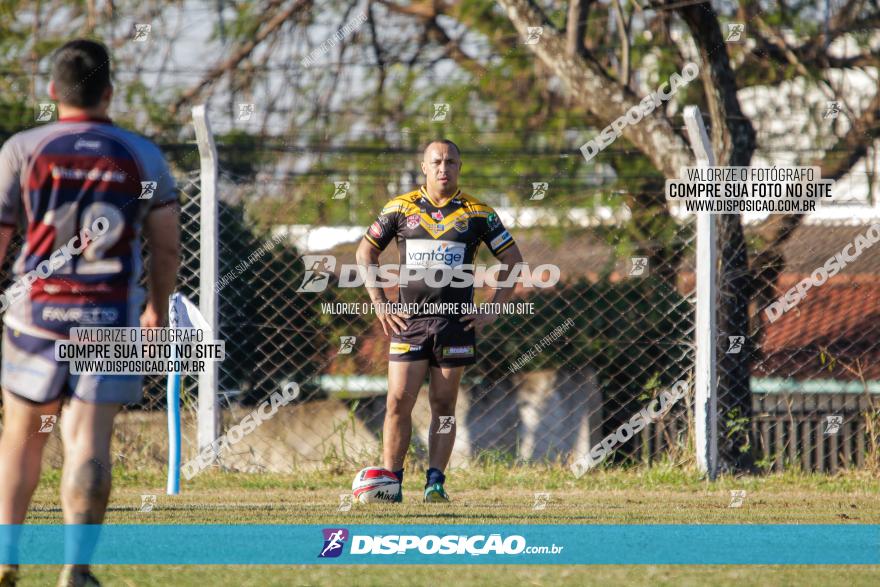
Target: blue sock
[
  {"x": 399, "y": 475},
  {"x": 435, "y": 476}
]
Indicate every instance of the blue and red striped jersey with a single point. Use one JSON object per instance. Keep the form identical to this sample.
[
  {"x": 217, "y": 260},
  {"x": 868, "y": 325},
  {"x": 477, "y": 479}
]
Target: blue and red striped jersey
[{"x": 80, "y": 189}]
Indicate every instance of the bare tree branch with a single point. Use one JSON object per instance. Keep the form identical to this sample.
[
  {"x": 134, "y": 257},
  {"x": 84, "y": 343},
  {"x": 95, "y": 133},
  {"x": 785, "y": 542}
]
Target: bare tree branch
[
  {"x": 771, "y": 37},
  {"x": 244, "y": 51},
  {"x": 623, "y": 33},
  {"x": 594, "y": 90},
  {"x": 838, "y": 161},
  {"x": 424, "y": 10},
  {"x": 576, "y": 26},
  {"x": 427, "y": 13},
  {"x": 378, "y": 53}
]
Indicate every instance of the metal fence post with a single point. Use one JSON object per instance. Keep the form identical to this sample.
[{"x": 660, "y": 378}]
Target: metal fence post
[
  {"x": 706, "y": 332},
  {"x": 208, "y": 412}
]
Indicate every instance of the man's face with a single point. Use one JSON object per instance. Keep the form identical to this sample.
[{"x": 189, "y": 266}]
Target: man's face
[{"x": 441, "y": 166}]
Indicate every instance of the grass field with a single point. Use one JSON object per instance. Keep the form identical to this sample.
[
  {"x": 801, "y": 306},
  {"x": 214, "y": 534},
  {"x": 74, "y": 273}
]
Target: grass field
[{"x": 491, "y": 494}]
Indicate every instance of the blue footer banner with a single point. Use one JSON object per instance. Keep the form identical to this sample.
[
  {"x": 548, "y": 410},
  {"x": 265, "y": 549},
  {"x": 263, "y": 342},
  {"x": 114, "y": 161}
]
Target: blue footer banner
[{"x": 442, "y": 544}]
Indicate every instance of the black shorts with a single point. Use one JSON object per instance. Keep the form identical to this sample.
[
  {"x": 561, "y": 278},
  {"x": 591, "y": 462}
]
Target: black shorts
[{"x": 443, "y": 342}]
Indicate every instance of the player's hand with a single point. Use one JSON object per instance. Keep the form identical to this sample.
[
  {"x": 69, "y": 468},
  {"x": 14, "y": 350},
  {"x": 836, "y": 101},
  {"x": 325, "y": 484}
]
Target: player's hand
[
  {"x": 152, "y": 319},
  {"x": 478, "y": 321},
  {"x": 393, "y": 321}
]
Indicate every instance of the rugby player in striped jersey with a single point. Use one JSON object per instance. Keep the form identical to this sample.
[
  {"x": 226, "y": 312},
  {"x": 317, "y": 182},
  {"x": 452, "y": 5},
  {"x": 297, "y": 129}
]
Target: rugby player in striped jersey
[
  {"x": 435, "y": 227},
  {"x": 82, "y": 190}
]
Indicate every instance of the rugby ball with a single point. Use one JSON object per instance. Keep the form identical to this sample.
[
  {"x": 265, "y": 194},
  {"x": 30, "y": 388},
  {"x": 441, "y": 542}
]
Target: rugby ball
[{"x": 375, "y": 485}]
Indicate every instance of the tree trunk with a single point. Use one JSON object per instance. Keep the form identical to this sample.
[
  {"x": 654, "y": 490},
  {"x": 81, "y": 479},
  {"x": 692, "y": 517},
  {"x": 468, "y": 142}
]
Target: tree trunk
[{"x": 733, "y": 140}]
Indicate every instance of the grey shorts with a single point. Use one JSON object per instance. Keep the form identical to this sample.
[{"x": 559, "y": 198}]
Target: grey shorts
[{"x": 30, "y": 371}]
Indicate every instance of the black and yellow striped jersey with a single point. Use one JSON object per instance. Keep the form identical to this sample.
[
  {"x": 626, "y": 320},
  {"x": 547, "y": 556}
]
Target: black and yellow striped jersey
[{"x": 434, "y": 236}]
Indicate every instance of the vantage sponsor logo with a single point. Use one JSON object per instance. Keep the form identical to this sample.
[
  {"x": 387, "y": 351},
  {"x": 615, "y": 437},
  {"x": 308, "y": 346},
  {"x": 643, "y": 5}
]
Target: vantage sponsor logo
[{"x": 431, "y": 253}]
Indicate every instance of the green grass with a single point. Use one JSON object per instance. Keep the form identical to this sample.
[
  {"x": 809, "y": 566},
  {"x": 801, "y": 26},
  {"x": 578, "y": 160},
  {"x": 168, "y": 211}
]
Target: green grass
[{"x": 493, "y": 493}]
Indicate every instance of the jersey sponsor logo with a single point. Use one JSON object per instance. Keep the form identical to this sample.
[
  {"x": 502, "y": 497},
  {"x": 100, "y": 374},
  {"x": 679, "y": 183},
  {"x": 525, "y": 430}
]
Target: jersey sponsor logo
[
  {"x": 430, "y": 253},
  {"x": 493, "y": 220},
  {"x": 500, "y": 240},
  {"x": 399, "y": 348},
  {"x": 461, "y": 225},
  {"x": 95, "y": 174},
  {"x": 437, "y": 215},
  {"x": 458, "y": 351},
  {"x": 412, "y": 221},
  {"x": 376, "y": 230},
  {"x": 86, "y": 145},
  {"x": 81, "y": 315}
]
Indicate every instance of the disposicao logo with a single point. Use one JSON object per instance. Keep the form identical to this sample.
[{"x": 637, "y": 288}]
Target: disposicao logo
[{"x": 334, "y": 540}]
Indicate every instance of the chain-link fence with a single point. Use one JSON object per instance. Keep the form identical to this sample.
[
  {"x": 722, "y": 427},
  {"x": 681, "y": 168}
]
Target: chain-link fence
[
  {"x": 565, "y": 373},
  {"x": 558, "y": 373},
  {"x": 814, "y": 359},
  {"x": 571, "y": 373}
]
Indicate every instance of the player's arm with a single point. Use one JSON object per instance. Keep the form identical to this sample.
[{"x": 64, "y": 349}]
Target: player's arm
[
  {"x": 502, "y": 246},
  {"x": 10, "y": 196},
  {"x": 380, "y": 234},
  {"x": 162, "y": 229},
  {"x": 510, "y": 258},
  {"x": 162, "y": 232},
  {"x": 367, "y": 254},
  {"x": 6, "y": 233}
]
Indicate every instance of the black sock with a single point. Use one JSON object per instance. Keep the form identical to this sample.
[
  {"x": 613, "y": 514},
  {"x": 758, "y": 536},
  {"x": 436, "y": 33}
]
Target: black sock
[
  {"x": 399, "y": 475},
  {"x": 434, "y": 476}
]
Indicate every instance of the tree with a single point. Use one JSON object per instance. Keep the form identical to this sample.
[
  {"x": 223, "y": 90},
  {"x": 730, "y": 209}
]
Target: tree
[
  {"x": 601, "y": 85},
  {"x": 336, "y": 119}
]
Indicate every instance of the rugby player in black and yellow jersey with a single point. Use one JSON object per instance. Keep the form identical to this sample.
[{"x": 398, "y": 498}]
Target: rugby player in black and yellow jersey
[{"x": 437, "y": 225}]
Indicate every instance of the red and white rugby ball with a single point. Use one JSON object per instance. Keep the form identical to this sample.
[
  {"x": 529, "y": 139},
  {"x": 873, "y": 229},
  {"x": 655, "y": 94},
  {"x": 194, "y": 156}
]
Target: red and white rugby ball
[{"x": 375, "y": 485}]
